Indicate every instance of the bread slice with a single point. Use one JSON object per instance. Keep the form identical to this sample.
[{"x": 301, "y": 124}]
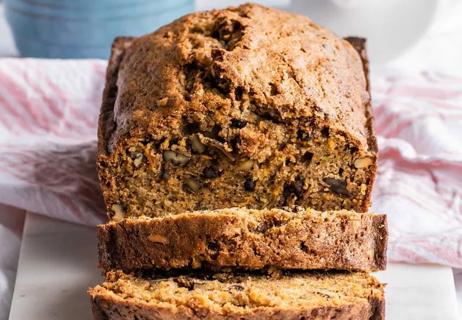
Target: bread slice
[
  {"x": 337, "y": 296},
  {"x": 246, "y": 106},
  {"x": 294, "y": 238}
]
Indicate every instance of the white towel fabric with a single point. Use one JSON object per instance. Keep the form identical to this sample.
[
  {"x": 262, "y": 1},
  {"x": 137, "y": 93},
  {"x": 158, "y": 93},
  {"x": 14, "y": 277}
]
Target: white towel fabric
[{"x": 418, "y": 119}]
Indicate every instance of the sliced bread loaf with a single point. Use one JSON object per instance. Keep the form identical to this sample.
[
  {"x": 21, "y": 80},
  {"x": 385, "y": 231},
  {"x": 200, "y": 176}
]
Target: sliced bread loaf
[
  {"x": 297, "y": 296},
  {"x": 241, "y": 238}
]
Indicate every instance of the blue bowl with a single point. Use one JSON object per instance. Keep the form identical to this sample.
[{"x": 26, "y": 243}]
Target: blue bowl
[
  {"x": 86, "y": 10},
  {"x": 84, "y": 28}
]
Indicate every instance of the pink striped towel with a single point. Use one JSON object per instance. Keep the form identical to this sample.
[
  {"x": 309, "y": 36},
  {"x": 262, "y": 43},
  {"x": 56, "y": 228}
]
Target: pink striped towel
[{"x": 48, "y": 142}]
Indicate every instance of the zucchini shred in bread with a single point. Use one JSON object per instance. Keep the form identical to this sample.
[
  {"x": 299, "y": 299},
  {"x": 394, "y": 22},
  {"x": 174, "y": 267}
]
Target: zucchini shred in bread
[
  {"x": 242, "y": 107},
  {"x": 241, "y": 238},
  {"x": 339, "y": 296}
]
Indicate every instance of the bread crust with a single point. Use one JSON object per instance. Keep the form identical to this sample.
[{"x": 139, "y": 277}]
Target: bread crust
[
  {"x": 106, "y": 121},
  {"x": 118, "y": 68},
  {"x": 359, "y": 44}
]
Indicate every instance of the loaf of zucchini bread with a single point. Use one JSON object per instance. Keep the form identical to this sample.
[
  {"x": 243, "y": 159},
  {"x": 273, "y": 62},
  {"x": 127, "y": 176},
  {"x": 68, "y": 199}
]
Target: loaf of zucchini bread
[
  {"x": 308, "y": 296},
  {"x": 239, "y": 238},
  {"x": 242, "y": 107}
]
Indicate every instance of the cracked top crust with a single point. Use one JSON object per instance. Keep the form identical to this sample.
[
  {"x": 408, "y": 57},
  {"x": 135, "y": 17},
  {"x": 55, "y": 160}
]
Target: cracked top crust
[{"x": 208, "y": 67}]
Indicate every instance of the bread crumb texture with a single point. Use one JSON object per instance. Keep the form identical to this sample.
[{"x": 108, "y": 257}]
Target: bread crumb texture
[{"x": 225, "y": 296}]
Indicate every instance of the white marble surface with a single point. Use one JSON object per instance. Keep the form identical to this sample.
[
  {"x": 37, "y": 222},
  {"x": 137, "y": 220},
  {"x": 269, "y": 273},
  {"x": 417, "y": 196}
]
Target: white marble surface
[
  {"x": 424, "y": 292},
  {"x": 57, "y": 264},
  {"x": 64, "y": 257}
]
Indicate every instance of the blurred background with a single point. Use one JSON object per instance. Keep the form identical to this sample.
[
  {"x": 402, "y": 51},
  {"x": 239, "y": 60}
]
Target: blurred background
[{"x": 415, "y": 34}]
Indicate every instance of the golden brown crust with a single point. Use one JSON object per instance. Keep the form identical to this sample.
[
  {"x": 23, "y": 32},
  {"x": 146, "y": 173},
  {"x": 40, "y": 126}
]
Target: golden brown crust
[
  {"x": 381, "y": 241},
  {"x": 246, "y": 239},
  {"x": 209, "y": 71},
  {"x": 106, "y": 124},
  {"x": 360, "y": 46},
  {"x": 259, "y": 55},
  {"x": 298, "y": 296}
]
